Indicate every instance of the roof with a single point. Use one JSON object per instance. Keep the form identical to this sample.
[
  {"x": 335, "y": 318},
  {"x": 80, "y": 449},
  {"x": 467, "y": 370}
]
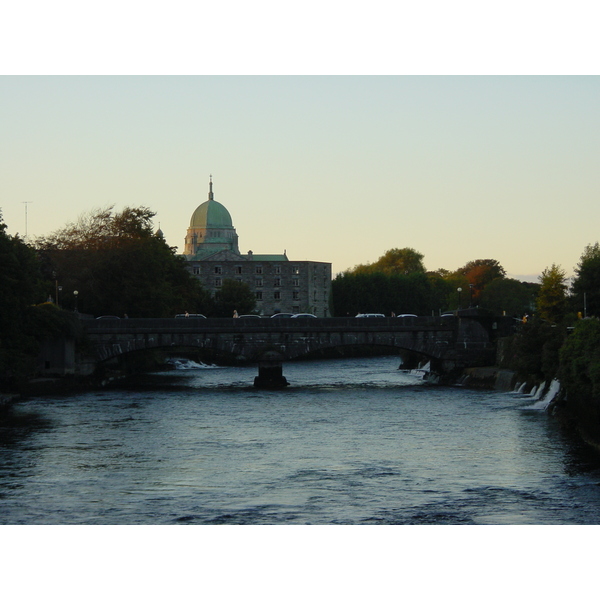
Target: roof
[
  {"x": 211, "y": 215},
  {"x": 269, "y": 257}
]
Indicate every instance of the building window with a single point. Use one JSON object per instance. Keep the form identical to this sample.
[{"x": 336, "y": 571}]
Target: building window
[
  {"x": 218, "y": 282},
  {"x": 295, "y": 295},
  {"x": 277, "y": 282},
  {"x": 258, "y": 270},
  {"x": 258, "y": 295},
  {"x": 296, "y": 270},
  {"x": 277, "y": 295},
  {"x": 259, "y": 282},
  {"x": 238, "y": 270},
  {"x": 218, "y": 270},
  {"x": 277, "y": 270},
  {"x": 296, "y": 282},
  {"x": 196, "y": 270}
]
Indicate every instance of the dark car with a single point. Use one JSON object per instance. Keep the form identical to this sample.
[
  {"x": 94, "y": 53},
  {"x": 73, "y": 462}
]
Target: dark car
[{"x": 282, "y": 316}]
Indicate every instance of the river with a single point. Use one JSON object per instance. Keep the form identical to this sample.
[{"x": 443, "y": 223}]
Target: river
[{"x": 352, "y": 441}]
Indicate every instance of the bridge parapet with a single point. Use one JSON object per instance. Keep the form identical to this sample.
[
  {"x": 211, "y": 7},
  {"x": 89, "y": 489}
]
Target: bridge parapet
[{"x": 451, "y": 341}]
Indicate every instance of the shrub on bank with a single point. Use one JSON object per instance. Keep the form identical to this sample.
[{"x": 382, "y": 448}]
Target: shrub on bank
[
  {"x": 534, "y": 351},
  {"x": 580, "y": 375}
]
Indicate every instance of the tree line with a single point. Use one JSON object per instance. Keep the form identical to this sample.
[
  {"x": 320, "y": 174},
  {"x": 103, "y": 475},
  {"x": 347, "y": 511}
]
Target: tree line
[{"x": 398, "y": 283}]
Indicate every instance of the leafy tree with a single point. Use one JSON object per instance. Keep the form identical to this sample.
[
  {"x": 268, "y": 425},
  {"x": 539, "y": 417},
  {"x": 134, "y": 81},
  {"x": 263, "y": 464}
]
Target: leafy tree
[
  {"x": 354, "y": 293},
  {"x": 509, "y": 296},
  {"x": 454, "y": 298},
  {"x": 586, "y": 286},
  {"x": 443, "y": 290},
  {"x": 19, "y": 290},
  {"x": 534, "y": 350},
  {"x": 580, "y": 375},
  {"x": 234, "y": 295},
  {"x": 480, "y": 273},
  {"x": 552, "y": 296},
  {"x": 118, "y": 266},
  {"x": 395, "y": 262}
]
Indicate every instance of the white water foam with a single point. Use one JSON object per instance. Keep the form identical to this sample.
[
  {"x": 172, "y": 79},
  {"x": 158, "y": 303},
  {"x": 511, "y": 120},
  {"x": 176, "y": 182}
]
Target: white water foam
[
  {"x": 184, "y": 364},
  {"x": 542, "y": 403},
  {"x": 539, "y": 393}
]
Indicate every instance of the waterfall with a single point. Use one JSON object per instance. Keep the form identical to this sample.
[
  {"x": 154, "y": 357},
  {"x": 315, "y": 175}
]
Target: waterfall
[
  {"x": 542, "y": 403},
  {"x": 539, "y": 392},
  {"x": 519, "y": 387}
]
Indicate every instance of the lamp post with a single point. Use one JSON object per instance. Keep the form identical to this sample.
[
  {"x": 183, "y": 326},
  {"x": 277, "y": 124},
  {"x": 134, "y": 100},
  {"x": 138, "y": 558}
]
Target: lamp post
[
  {"x": 471, "y": 286},
  {"x": 459, "y": 290},
  {"x": 58, "y": 288},
  {"x": 76, "y": 293}
]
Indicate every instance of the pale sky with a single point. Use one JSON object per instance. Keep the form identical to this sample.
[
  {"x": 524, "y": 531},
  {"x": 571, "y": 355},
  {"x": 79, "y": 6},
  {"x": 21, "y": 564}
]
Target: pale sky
[{"x": 328, "y": 168}]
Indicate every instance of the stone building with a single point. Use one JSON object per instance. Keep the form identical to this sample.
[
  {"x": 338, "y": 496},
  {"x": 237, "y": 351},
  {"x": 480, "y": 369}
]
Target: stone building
[{"x": 279, "y": 284}]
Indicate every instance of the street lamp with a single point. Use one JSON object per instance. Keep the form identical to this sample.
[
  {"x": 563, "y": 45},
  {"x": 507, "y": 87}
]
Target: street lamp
[
  {"x": 459, "y": 290},
  {"x": 76, "y": 293},
  {"x": 471, "y": 286}
]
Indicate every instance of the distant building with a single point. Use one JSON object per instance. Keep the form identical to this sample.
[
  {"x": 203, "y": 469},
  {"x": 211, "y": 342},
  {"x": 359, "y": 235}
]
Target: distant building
[{"x": 279, "y": 284}]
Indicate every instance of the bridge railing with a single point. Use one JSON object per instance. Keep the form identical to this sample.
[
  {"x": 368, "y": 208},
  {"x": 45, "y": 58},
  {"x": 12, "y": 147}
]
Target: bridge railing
[{"x": 266, "y": 324}]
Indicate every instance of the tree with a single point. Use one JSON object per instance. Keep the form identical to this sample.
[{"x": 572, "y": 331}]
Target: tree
[
  {"x": 19, "y": 290},
  {"x": 580, "y": 375},
  {"x": 480, "y": 273},
  {"x": 234, "y": 295},
  {"x": 509, "y": 296},
  {"x": 552, "y": 296},
  {"x": 586, "y": 286},
  {"x": 118, "y": 266},
  {"x": 395, "y": 262},
  {"x": 354, "y": 293}
]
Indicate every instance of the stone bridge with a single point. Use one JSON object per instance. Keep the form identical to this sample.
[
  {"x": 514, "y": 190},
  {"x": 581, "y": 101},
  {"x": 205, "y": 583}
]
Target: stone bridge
[{"x": 449, "y": 342}]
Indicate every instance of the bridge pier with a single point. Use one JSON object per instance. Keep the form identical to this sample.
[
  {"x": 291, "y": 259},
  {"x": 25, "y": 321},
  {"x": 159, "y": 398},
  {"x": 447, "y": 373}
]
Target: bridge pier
[{"x": 270, "y": 372}]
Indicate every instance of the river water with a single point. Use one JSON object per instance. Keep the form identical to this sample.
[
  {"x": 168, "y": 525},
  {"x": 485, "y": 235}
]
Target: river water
[{"x": 352, "y": 441}]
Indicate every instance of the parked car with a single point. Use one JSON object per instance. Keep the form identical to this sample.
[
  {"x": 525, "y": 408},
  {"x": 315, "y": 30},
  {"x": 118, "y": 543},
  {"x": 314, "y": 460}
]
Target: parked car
[
  {"x": 369, "y": 315},
  {"x": 249, "y": 317},
  {"x": 405, "y": 316},
  {"x": 108, "y": 317},
  {"x": 282, "y": 316},
  {"x": 304, "y": 316},
  {"x": 190, "y": 316}
]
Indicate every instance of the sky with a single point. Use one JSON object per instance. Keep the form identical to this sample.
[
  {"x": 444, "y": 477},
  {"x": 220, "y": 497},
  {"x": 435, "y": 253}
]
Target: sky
[
  {"x": 458, "y": 131},
  {"x": 328, "y": 168}
]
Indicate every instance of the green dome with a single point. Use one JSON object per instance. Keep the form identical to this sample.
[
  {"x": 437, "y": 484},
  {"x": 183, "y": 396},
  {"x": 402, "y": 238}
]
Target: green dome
[{"x": 211, "y": 215}]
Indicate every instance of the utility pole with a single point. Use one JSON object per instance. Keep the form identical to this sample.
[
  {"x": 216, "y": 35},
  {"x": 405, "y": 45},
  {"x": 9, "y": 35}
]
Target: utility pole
[{"x": 26, "y": 203}]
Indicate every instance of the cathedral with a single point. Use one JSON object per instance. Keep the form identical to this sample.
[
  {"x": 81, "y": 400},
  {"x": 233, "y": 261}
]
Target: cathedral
[{"x": 280, "y": 285}]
